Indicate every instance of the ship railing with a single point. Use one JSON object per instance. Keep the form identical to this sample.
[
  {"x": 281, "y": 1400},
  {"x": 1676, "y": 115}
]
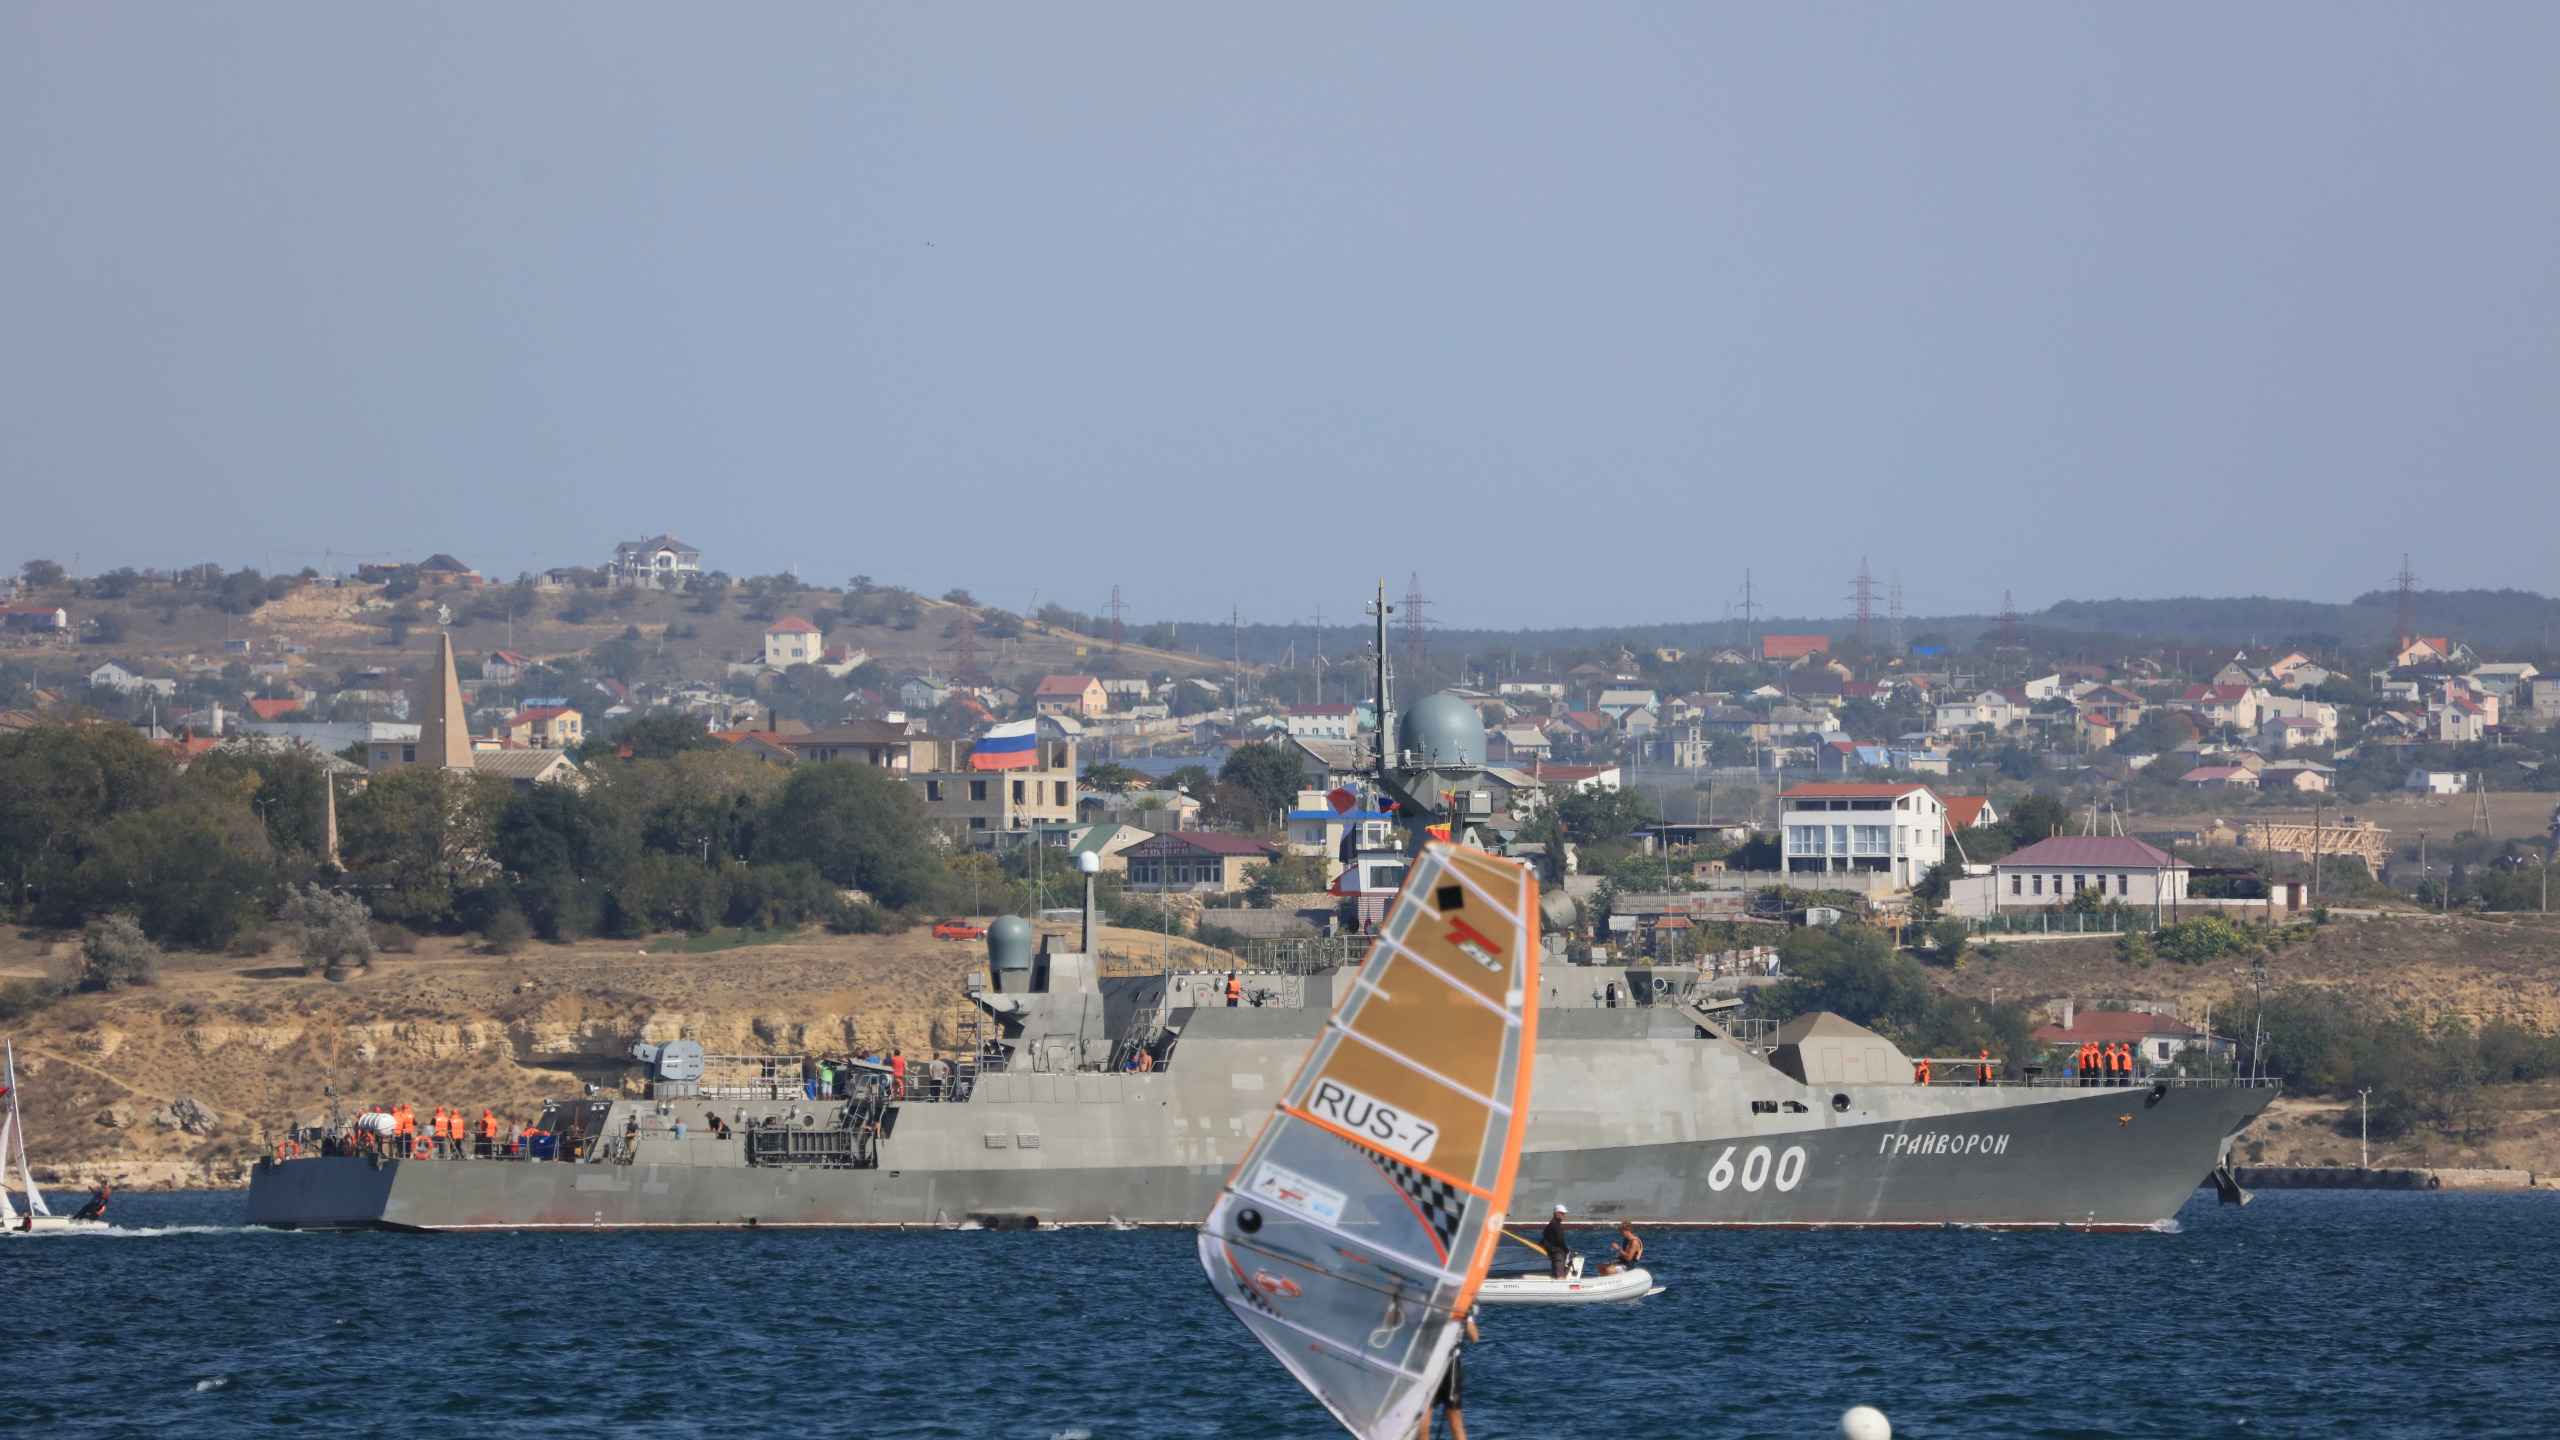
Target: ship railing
[
  {"x": 2138, "y": 1082},
  {"x": 315, "y": 1141},
  {"x": 1751, "y": 1033}
]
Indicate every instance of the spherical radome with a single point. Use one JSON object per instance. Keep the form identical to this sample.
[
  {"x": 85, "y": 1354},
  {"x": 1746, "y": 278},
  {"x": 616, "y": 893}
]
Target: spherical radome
[
  {"x": 1441, "y": 730},
  {"x": 1010, "y": 942}
]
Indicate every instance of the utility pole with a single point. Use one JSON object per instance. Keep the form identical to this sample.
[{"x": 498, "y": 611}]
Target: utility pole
[
  {"x": 1118, "y": 610},
  {"x": 1319, "y": 654},
  {"x": 1413, "y": 622}
]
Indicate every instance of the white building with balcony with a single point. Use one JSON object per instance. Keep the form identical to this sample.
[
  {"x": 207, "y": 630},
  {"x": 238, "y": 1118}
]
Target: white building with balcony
[{"x": 1899, "y": 829}]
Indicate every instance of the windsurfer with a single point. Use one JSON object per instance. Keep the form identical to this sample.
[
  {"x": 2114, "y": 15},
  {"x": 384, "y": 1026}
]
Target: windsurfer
[
  {"x": 1451, "y": 1395},
  {"x": 1559, "y": 1250}
]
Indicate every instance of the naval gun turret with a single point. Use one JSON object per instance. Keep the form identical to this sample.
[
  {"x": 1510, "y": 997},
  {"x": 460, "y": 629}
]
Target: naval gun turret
[{"x": 1053, "y": 1009}]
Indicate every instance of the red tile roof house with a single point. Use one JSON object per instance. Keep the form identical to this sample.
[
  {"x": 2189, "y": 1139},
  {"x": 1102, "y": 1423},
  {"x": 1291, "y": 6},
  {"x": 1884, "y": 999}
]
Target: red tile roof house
[
  {"x": 1079, "y": 695},
  {"x": 1197, "y": 860},
  {"x": 2226, "y": 777},
  {"x": 34, "y": 619},
  {"x": 273, "y": 709},
  {"x": 1793, "y": 647},
  {"x": 2053, "y": 871},
  {"x": 1966, "y": 811}
]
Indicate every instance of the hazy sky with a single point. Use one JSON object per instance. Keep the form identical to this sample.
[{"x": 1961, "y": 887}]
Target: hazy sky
[{"x": 1576, "y": 310}]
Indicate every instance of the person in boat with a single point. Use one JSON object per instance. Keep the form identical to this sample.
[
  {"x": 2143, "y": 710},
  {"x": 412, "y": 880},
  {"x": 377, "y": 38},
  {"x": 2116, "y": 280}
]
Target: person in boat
[
  {"x": 96, "y": 1209},
  {"x": 1451, "y": 1395},
  {"x": 1628, "y": 1253},
  {"x": 1553, "y": 1241}
]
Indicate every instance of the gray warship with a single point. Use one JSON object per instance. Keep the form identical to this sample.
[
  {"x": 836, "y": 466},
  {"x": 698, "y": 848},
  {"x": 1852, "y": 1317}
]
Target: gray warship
[
  {"x": 1096, "y": 1099},
  {"x": 1663, "y": 1111}
]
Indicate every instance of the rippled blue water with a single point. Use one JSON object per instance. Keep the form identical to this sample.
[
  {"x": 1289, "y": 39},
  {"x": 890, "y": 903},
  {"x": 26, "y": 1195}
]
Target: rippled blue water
[{"x": 2307, "y": 1314}]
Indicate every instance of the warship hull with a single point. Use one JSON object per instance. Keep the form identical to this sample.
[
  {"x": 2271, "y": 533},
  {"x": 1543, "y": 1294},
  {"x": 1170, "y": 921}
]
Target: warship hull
[{"x": 1637, "y": 1115}]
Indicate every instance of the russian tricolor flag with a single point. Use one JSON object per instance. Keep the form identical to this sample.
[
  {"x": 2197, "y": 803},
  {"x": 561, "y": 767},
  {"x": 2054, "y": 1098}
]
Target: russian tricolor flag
[{"x": 1007, "y": 747}]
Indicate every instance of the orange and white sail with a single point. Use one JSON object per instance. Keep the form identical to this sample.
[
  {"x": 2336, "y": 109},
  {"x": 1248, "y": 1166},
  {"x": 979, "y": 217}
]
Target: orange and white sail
[{"x": 1360, "y": 1224}]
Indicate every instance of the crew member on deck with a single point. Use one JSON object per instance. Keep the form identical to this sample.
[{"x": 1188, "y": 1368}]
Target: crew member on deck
[{"x": 1235, "y": 990}]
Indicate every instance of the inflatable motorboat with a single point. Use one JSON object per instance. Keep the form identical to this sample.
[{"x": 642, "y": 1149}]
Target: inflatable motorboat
[{"x": 1540, "y": 1287}]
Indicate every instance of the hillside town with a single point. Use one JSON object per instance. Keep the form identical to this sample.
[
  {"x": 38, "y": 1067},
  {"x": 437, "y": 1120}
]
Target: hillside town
[{"x": 1653, "y": 771}]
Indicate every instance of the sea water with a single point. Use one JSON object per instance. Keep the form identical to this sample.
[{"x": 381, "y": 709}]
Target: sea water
[{"x": 2327, "y": 1314}]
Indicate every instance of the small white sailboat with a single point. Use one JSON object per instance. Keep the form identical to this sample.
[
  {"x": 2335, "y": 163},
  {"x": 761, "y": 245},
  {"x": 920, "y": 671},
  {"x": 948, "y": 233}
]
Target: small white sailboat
[
  {"x": 1352, "y": 1240},
  {"x": 25, "y": 1212}
]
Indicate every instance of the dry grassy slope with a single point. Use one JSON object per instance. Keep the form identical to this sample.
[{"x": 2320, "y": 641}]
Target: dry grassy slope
[
  {"x": 339, "y": 635},
  {"x": 2512, "y": 816},
  {"x": 443, "y": 1026},
  {"x": 2482, "y": 969}
]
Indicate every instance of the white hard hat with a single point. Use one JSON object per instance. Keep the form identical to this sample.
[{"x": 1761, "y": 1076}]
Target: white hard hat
[{"x": 1562, "y": 1211}]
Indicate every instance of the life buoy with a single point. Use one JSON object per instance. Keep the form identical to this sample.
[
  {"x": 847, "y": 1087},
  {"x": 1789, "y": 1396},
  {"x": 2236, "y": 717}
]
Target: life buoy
[
  {"x": 287, "y": 1150},
  {"x": 420, "y": 1147}
]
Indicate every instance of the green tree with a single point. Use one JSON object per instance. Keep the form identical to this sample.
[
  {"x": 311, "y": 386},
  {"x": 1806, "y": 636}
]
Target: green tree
[
  {"x": 857, "y": 826},
  {"x": 653, "y": 737},
  {"x": 191, "y": 873},
  {"x": 1268, "y": 773},
  {"x": 41, "y": 574},
  {"x": 2033, "y": 818},
  {"x": 1109, "y": 775},
  {"x": 58, "y": 783},
  {"x": 282, "y": 781},
  {"x": 564, "y": 851},
  {"x": 1595, "y": 815},
  {"x": 416, "y": 842},
  {"x": 115, "y": 953}
]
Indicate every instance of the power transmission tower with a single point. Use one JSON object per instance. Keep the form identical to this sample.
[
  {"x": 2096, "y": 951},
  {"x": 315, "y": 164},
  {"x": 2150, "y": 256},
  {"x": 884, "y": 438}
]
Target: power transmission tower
[
  {"x": 2008, "y": 622},
  {"x": 964, "y": 650},
  {"x": 1750, "y": 610},
  {"x": 1118, "y": 610},
  {"x": 1862, "y": 592},
  {"x": 1413, "y": 607},
  {"x": 2408, "y": 603},
  {"x": 1896, "y": 634},
  {"x": 1235, "y": 656}
]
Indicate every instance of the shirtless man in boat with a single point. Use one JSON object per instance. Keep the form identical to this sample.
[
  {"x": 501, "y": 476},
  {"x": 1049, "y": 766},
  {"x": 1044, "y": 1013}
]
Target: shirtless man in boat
[{"x": 1629, "y": 1252}]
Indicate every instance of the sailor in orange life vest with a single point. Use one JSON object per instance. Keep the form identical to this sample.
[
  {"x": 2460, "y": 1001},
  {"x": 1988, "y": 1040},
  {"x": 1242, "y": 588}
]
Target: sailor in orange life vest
[
  {"x": 1986, "y": 1067},
  {"x": 1235, "y": 990},
  {"x": 1920, "y": 1072}
]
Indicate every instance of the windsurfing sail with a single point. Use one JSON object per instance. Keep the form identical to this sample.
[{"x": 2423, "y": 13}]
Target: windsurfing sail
[
  {"x": 13, "y": 1134},
  {"x": 1359, "y": 1226}
]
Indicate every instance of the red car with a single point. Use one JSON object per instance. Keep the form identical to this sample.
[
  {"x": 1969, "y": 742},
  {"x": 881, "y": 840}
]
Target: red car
[{"x": 959, "y": 930}]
